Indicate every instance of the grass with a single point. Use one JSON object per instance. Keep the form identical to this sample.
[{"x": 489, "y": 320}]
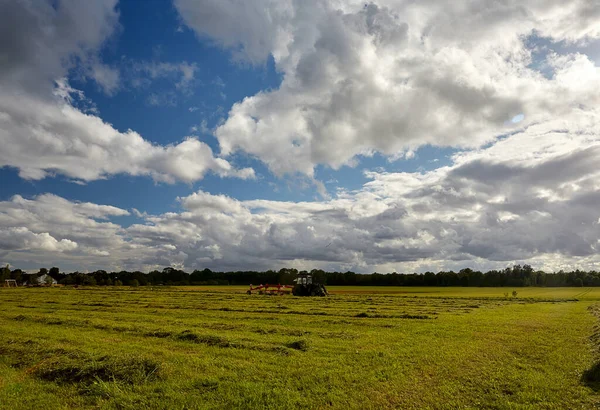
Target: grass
[{"x": 360, "y": 348}]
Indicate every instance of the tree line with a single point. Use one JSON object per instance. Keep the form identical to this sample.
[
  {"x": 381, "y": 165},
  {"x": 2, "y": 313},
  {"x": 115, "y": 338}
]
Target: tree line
[{"x": 516, "y": 275}]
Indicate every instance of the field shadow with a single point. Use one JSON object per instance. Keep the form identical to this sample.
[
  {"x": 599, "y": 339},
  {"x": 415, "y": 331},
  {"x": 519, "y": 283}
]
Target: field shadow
[{"x": 591, "y": 377}]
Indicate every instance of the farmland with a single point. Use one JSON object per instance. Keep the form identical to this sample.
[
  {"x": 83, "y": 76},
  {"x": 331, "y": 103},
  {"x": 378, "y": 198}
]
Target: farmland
[{"x": 375, "y": 347}]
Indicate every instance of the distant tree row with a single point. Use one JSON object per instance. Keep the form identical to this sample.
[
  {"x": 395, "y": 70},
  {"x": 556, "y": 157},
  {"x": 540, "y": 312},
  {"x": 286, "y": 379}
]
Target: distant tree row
[{"x": 513, "y": 276}]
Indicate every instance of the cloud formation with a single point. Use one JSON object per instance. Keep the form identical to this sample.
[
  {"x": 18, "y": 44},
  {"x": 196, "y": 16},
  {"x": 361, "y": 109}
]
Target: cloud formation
[
  {"x": 391, "y": 76},
  {"x": 53, "y": 129},
  {"x": 537, "y": 206},
  {"x": 512, "y": 86}
]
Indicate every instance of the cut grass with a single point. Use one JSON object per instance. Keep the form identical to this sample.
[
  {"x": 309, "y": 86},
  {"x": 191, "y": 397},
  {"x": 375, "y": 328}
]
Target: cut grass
[{"x": 217, "y": 348}]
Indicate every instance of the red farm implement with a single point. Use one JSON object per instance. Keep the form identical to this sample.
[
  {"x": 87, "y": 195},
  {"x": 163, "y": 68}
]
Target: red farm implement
[
  {"x": 304, "y": 286},
  {"x": 270, "y": 289}
]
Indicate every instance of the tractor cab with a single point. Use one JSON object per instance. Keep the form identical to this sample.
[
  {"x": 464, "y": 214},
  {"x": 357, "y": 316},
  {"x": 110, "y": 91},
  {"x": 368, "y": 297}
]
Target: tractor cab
[
  {"x": 304, "y": 279},
  {"x": 304, "y": 286}
]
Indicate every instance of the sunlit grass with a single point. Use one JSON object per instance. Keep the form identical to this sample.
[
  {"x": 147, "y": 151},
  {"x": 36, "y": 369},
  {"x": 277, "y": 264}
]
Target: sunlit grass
[{"x": 362, "y": 347}]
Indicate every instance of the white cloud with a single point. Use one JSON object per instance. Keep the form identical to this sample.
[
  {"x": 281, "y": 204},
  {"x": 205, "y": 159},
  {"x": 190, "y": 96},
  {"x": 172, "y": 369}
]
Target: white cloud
[
  {"x": 493, "y": 207},
  {"x": 202, "y": 128},
  {"x": 24, "y": 239},
  {"x": 357, "y": 79},
  {"x": 53, "y": 129},
  {"x": 108, "y": 78},
  {"x": 393, "y": 76},
  {"x": 218, "y": 81},
  {"x": 59, "y": 138},
  {"x": 162, "y": 99},
  {"x": 47, "y": 224},
  {"x": 143, "y": 73},
  {"x": 40, "y": 39}
]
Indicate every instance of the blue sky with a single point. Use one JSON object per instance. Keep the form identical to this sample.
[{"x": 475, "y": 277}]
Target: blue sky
[
  {"x": 155, "y": 33},
  {"x": 151, "y": 127}
]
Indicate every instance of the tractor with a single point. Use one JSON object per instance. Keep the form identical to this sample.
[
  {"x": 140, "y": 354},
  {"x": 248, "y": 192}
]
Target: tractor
[{"x": 305, "y": 287}]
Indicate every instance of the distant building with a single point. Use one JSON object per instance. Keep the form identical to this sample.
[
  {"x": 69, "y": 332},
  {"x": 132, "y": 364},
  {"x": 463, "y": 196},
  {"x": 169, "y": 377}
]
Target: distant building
[{"x": 42, "y": 280}]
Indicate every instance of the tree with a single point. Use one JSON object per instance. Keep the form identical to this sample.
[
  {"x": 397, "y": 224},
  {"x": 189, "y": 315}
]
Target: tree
[
  {"x": 319, "y": 276},
  {"x": 48, "y": 279},
  {"x": 88, "y": 280},
  {"x": 54, "y": 272},
  {"x": 33, "y": 279},
  {"x": 68, "y": 280},
  {"x": 287, "y": 276},
  {"x": 17, "y": 275},
  {"x": 135, "y": 283},
  {"x": 4, "y": 273},
  {"x": 43, "y": 271}
]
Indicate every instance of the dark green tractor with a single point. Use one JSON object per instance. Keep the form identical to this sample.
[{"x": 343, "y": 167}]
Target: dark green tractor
[{"x": 304, "y": 286}]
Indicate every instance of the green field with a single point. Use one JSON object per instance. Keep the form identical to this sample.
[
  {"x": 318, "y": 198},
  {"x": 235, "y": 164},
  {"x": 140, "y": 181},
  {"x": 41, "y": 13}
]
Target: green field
[{"x": 360, "y": 348}]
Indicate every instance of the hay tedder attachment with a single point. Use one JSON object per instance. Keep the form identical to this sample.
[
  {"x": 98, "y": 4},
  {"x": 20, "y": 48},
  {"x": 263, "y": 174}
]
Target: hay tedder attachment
[
  {"x": 270, "y": 289},
  {"x": 304, "y": 287}
]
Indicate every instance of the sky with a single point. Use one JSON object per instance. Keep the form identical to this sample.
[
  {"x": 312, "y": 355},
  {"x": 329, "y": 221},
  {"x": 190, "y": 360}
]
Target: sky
[{"x": 342, "y": 135}]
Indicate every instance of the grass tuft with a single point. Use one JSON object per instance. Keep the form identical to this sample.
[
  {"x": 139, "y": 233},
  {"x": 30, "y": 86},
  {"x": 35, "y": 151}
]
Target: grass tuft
[
  {"x": 86, "y": 370},
  {"x": 209, "y": 340},
  {"x": 301, "y": 344},
  {"x": 159, "y": 333}
]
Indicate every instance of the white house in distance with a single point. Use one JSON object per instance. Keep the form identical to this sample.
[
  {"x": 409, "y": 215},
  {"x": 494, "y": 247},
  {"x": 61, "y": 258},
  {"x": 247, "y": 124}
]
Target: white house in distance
[{"x": 44, "y": 278}]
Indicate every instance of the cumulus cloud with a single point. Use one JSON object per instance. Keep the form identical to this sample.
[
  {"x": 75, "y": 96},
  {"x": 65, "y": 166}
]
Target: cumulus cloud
[
  {"x": 24, "y": 239},
  {"x": 478, "y": 212},
  {"x": 536, "y": 204},
  {"x": 49, "y": 226},
  {"x": 392, "y": 76},
  {"x": 50, "y": 131},
  {"x": 383, "y": 77}
]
